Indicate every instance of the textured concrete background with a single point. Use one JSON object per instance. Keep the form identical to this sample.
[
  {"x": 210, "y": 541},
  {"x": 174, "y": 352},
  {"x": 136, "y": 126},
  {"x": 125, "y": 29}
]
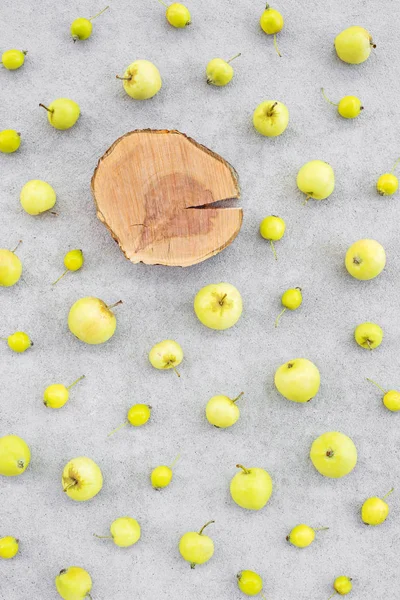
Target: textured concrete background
[{"x": 272, "y": 433}]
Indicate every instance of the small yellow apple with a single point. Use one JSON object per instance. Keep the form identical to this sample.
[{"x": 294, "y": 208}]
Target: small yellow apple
[
  {"x": 15, "y": 455},
  {"x": 82, "y": 479},
  {"x": 271, "y": 118},
  {"x": 251, "y": 488},
  {"x": 298, "y": 380},
  {"x": 316, "y": 180},
  {"x": 218, "y": 306},
  {"x": 92, "y": 321},
  {"x": 142, "y": 80},
  {"x": 353, "y": 45},
  {"x": 333, "y": 454},
  {"x": 365, "y": 259},
  {"x": 74, "y": 583}
]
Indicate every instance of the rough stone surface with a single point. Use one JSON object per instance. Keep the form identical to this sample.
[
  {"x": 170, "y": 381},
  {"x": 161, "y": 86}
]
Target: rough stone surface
[{"x": 272, "y": 432}]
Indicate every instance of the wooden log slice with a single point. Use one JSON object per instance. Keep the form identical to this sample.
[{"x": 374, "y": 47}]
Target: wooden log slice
[{"x": 154, "y": 191}]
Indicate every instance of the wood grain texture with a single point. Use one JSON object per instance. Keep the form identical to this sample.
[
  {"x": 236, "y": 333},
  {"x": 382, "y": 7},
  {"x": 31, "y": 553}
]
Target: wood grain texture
[{"x": 153, "y": 190}]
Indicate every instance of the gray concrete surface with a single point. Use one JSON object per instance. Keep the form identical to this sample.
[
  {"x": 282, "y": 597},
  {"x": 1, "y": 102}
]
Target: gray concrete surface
[{"x": 272, "y": 432}]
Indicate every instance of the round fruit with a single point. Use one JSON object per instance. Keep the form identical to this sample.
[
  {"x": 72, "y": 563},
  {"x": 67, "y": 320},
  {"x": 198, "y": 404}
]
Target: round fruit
[
  {"x": 10, "y": 268},
  {"x": 15, "y": 455},
  {"x": 368, "y": 335},
  {"x": 196, "y": 548},
  {"x": 8, "y": 547},
  {"x": 10, "y": 141},
  {"x": 250, "y": 583},
  {"x": 333, "y": 454},
  {"x": 353, "y": 45},
  {"x": 298, "y": 380},
  {"x": 142, "y": 80},
  {"x": 365, "y": 259},
  {"x": 316, "y": 180},
  {"x": 13, "y": 59},
  {"x": 271, "y": 118},
  {"x": 37, "y": 196}
]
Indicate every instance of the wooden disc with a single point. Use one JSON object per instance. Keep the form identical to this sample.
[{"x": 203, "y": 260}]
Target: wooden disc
[{"x": 154, "y": 190}]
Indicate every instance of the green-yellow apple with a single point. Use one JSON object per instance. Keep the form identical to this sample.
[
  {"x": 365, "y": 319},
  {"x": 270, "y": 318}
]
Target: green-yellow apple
[
  {"x": 82, "y": 479},
  {"x": 333, "y": 454},
  {"x": 271, "y": 118},
  {"x": 92, "y": 321},
  {"x": 368, "y": 335},
  {"x": 218, "y": 306},
  {"x": 353, "y": 45},
  {"x": 62, "y": 113},
  {"x": 74, "y": 583},
  {"x": 251, "y": 488},
  {"x": 142, "y": 80},
  {"x": 37, "y": 196},
  {"x": 365, "y": 259},
  {"x": 298, "y": 380},
  {"x": 10, "y": 268},
  {"x": 316, "y": 180}
]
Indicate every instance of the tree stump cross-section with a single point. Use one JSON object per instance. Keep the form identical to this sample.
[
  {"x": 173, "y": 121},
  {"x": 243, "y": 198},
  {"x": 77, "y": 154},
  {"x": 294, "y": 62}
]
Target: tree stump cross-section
[{"x": 154, "y": 191}]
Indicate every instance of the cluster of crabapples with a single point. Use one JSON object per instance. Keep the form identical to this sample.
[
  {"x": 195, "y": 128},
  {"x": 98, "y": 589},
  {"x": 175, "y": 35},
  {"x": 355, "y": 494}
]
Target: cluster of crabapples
[{"x": 217, "y": 306}]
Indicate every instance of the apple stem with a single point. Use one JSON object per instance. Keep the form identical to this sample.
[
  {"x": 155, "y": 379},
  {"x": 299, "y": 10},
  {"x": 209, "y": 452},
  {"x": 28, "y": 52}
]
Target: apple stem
[
  {"x": 174, "y": 368},
  {"x": 163, "y": 3},
  {"x": 75, "y": 382},
  {"x": 16, "y": 247},
  {"x": 175, "y": 461},
  {"x": 118, "y": 428},
  {"x": 334, "y": 594},
  {"x": 377, "y": 384},
  {"x": 123, "y": 78},
  {"x": 306, "y": 200},
  {"x": 276, "y": 46},
  {"x": 388, "y": 494},
  {"x": 221, "y": 302},
  {"x": 100, "y": 13},
  {"x": 233, "y": 57},
  {"x": 204, "y": 526},
  {"x": 115, "y": 304},
  {"x": 327, "y": 99},
  {"x": 273, "y": 249},
  {"x": 89, "y": 596},
  {"x": 237, "y": 397},
  {"x": 25, "y": 52},
  {"x": 369, "y": 344},
  {"x": 270, "y": 110},
  {"x": 321, "y": 528},
  {"x": 279, "y": 317},
  {"x": 245, "y": 471},
  {"x": 61, "y": 276},
  {"x": 48, "y": 109},
  {"x": 395, "y": 165},
  {"x": 103, "y": 537}
]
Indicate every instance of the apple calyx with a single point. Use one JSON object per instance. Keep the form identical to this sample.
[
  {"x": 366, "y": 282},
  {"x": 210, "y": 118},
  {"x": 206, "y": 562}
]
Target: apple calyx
[
  {"x": 330, "y": 453},
  {"x": 203, "y": 528},
  {"x": 20, "y": 464},
  {"x": 290, "y": 365},
  {"x": 357, "y": 260},
  {"x": 245, "y": 471},
  {"x": 62, "y": 571}
]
